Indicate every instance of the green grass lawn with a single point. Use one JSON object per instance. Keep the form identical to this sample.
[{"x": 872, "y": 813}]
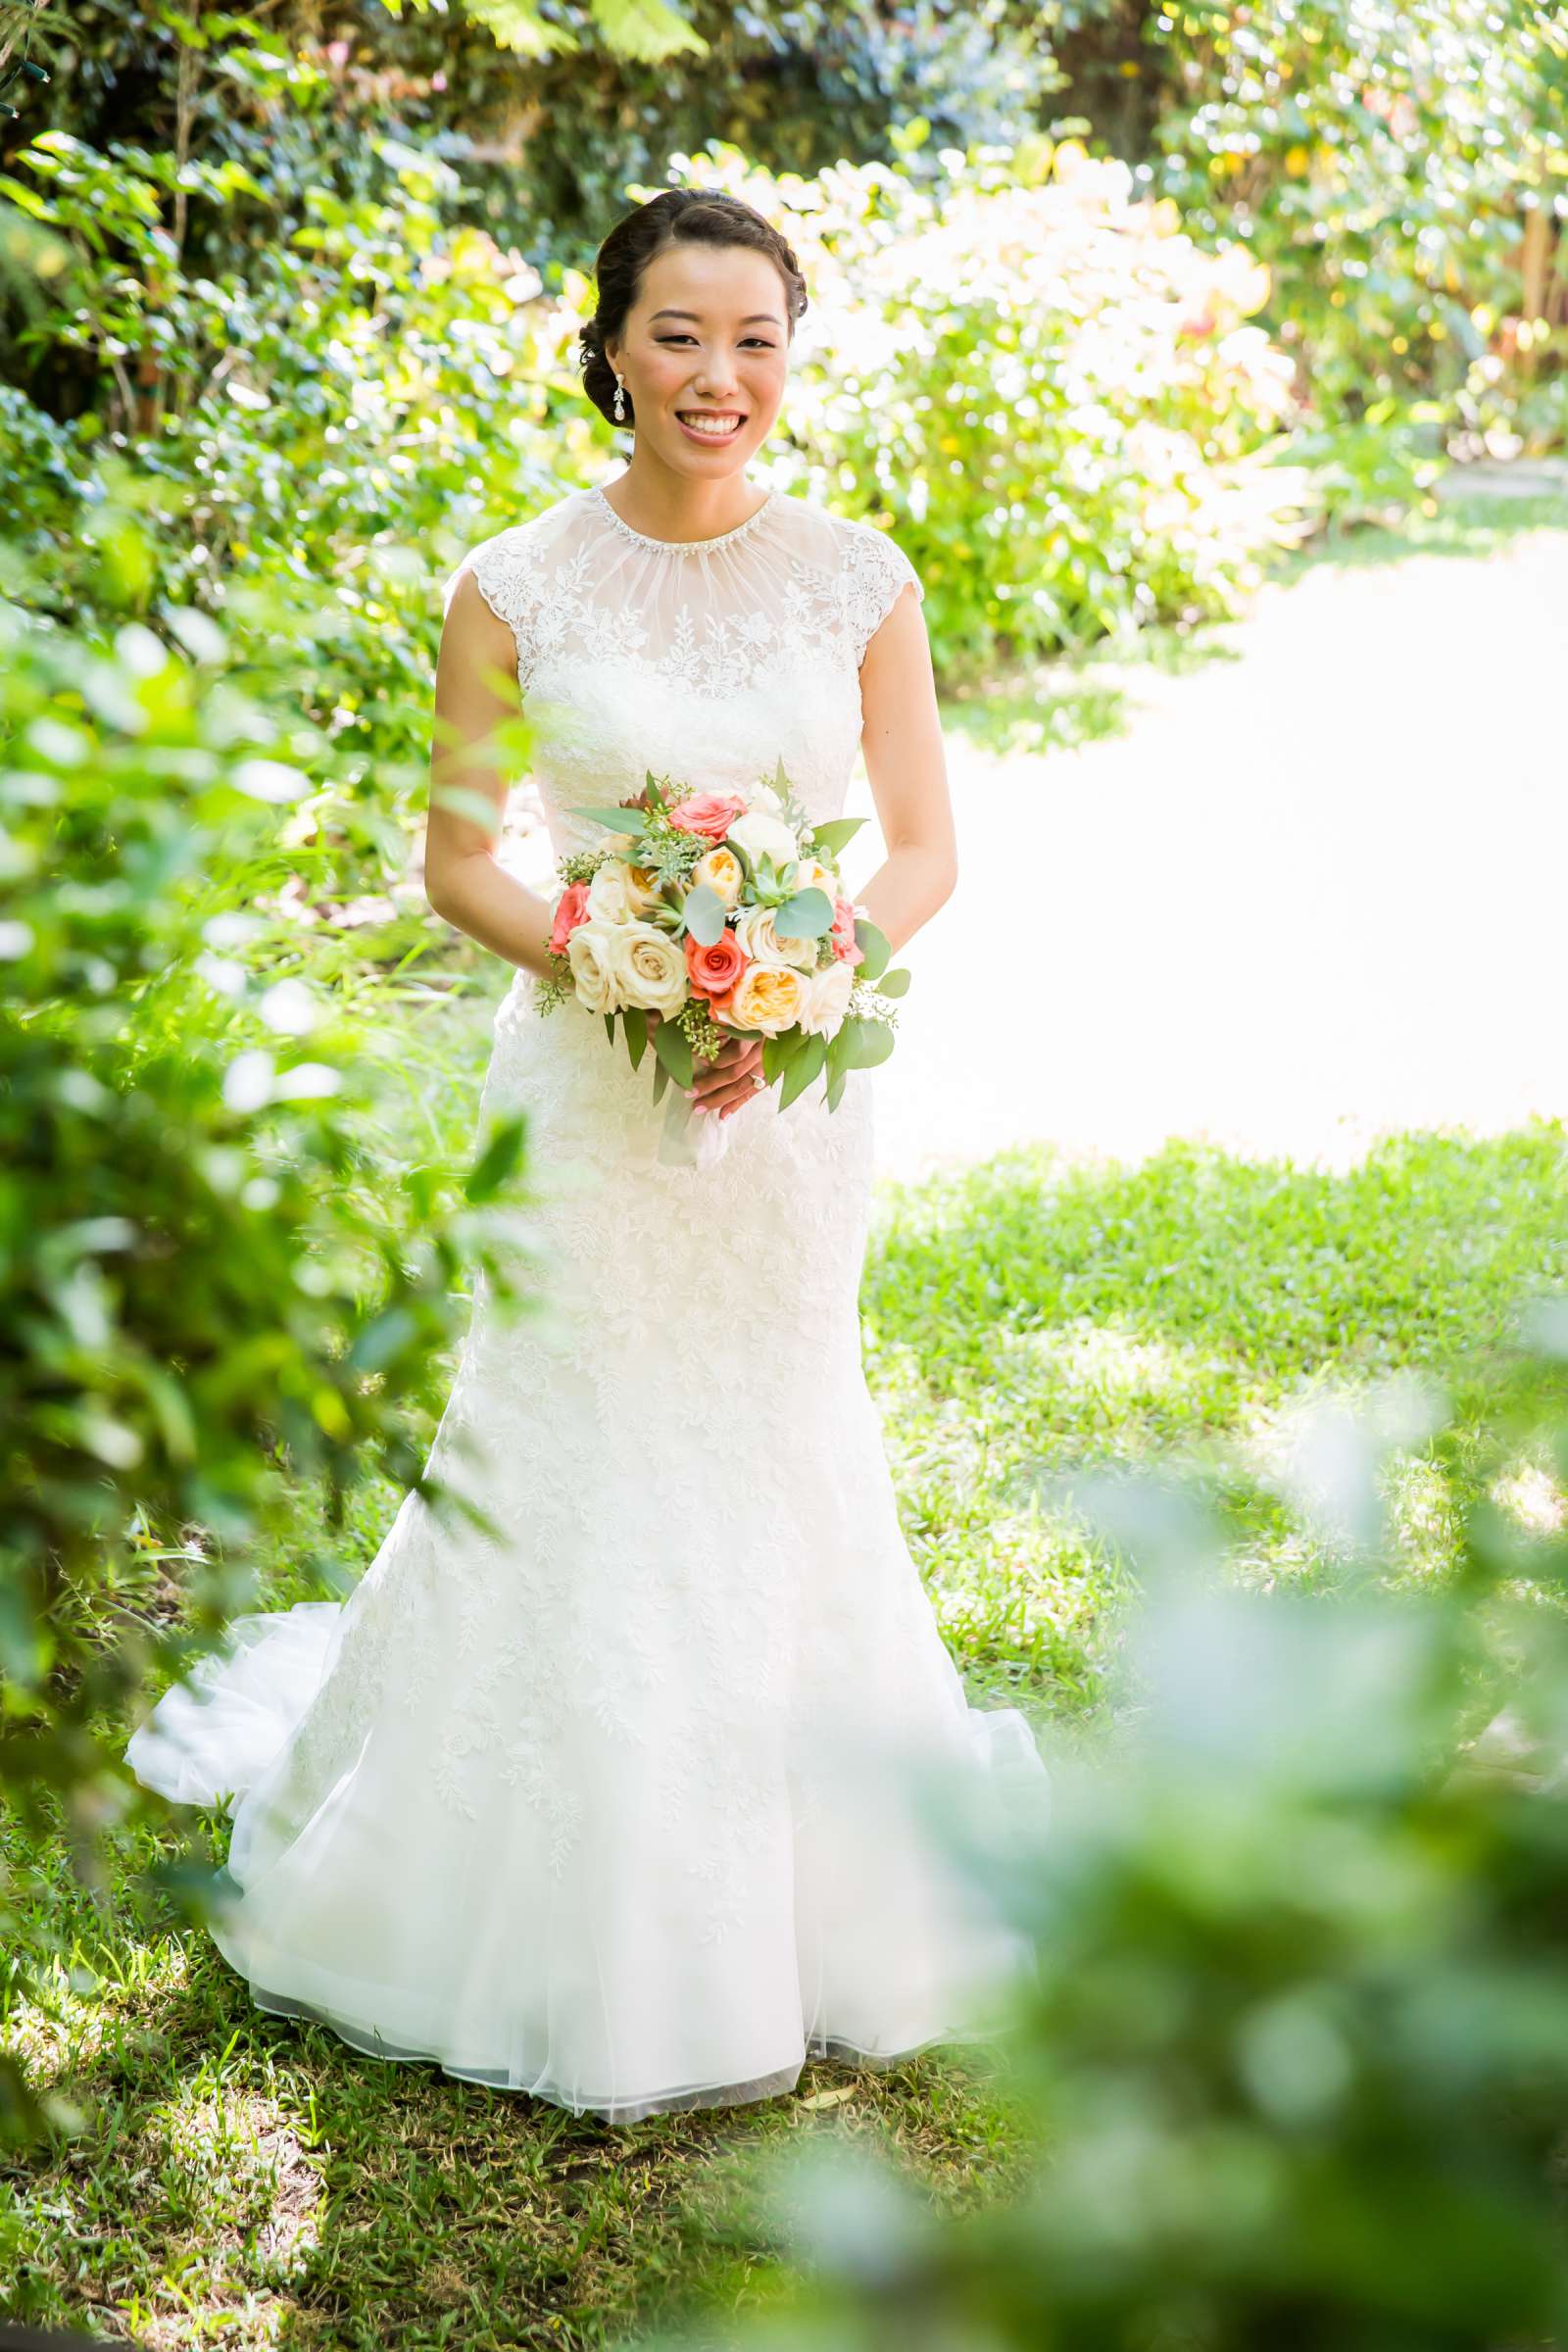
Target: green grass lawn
[{"x": 247, "y": 2182}]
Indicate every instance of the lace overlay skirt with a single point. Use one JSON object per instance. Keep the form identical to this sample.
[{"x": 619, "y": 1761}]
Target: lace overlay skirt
[{"x": 618, "y": 1791}]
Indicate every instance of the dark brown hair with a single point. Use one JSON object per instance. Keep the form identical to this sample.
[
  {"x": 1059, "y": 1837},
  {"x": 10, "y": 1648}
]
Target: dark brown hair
[{"x": 676, "y": 216}]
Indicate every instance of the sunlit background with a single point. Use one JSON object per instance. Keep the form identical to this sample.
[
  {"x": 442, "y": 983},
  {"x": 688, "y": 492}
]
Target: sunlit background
[{"x": 1209, "y": 362}]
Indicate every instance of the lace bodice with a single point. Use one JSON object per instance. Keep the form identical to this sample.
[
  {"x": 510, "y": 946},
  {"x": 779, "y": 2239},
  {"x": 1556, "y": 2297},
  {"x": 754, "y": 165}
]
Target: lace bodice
[{"x": 688, "y": 656}]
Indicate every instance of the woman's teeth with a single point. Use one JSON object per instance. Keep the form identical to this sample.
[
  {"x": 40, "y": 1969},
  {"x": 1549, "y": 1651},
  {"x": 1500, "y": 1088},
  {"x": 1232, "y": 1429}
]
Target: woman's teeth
[{"x": 703, "y": 430}]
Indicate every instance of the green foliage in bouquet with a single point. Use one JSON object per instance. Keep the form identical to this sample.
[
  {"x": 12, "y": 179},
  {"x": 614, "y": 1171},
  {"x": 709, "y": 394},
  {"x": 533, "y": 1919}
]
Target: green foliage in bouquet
[{"x": 664, "y": 855}]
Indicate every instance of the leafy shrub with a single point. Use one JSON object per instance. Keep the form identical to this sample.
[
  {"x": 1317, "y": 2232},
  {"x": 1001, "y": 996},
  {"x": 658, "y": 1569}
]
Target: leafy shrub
[
  {"x": 1294, "y": 2061},
  {"x": 206, "y": 1288}
]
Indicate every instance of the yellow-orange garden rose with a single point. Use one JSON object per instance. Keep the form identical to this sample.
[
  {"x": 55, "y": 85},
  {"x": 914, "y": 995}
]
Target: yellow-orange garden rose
[
  {"x": 643, "y": 889},
  {"x": 723, "y": 871},
  {"x": 767, "y": 997}
]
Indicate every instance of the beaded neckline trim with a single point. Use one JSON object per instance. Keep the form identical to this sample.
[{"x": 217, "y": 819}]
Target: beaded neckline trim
[{"x": 685, "y": 546}]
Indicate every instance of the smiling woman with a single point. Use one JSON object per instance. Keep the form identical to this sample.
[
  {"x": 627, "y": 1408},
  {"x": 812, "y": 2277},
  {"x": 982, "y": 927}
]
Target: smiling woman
[{"x": 618, "y": 1797}]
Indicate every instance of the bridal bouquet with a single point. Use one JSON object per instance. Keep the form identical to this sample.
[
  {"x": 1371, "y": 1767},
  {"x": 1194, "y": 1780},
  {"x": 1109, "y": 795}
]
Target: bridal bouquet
[{"x": 724, "y": 913}]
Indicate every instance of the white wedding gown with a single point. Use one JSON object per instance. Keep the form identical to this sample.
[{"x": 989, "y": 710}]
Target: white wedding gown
[{"x": 604, "y": 1807}]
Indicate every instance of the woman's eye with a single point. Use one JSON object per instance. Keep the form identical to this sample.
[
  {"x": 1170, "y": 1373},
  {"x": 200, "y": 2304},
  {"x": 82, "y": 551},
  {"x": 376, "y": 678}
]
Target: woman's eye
[{"x": 760, "y": 341}]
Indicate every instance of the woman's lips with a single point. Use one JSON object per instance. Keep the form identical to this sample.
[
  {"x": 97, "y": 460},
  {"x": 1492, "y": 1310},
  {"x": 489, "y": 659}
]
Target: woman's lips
[{"x": 714, "y": 440}]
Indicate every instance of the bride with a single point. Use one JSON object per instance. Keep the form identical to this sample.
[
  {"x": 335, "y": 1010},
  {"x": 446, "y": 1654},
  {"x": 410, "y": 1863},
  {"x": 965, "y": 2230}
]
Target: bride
[{"x": 621, "y": 1804}]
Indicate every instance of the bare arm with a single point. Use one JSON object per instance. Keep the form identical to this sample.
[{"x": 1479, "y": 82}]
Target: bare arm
[
  {"x": 475, "y": 694},
  {"x": 902, "y": 739}
]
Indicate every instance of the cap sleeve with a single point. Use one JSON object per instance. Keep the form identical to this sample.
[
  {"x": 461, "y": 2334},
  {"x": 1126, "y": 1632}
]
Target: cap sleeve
[
  {"x": 508, "y": 573},
  {"x": 876, "y": 569}
]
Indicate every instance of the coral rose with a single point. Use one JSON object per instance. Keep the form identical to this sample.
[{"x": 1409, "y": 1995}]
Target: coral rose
[
  {"x": 710, "y": 813},
  {"x": 571, "y": 909},
  {"x": 714, "y": 971}
]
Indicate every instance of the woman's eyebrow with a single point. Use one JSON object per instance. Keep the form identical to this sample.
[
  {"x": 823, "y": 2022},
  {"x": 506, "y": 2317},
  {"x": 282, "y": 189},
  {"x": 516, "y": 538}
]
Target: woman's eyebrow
[{"x": 751, "y": 318}]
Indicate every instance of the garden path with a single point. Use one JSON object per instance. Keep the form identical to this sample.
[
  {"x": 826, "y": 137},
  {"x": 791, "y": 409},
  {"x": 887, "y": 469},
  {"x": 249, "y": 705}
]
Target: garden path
[{"x": 1310, "y": 893}]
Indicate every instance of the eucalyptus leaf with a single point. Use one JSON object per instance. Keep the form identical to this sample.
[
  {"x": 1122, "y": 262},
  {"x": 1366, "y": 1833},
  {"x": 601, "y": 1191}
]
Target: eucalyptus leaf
[
  {"x": 874, "y": 1043},
  {"x": 806, "y": 916},
  {"x": 660, "y": 1074},
  {"x": 610, "y": 1027},
  {"x": 705, "y": 914},
  {"x": 894, "y": 983},
  {"x": 874, "y": 948}
]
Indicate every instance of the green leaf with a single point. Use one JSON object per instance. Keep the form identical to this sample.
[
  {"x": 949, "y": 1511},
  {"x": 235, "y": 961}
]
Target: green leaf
[
  {"x": 894, "y": 983},
  {"x": 660, "y": 1074},
  {"x": 705, "y": 914},
  {"x": 634, "y": 1021},
  {"x": 867, "y": 1043},
  {"x": 874, "y": 948},
  {"x": 610, "y": 1027},
  {"x": 779, "y": 1051},
  {"x": 675, "y": 1050},
  {"x": 831, "y": 836},
  {"x": 806, "y": 916},
  {"x": 803, "y": 1069},
  {"x": 619, "y": 820},
  {"x": 498, "y": 1162},
  {"x": 835, "y": 1089}
]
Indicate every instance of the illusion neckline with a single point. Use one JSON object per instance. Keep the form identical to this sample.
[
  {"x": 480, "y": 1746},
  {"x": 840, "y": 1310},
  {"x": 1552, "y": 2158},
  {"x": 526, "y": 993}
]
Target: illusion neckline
[{"x": 685, "y": 546}]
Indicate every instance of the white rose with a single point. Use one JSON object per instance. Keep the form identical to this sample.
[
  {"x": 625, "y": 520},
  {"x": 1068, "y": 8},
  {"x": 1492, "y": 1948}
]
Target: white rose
[
  {"x": 647, "y": 967},
  {"x": 588, "y": 952},
  {"x": 759, "y": 832},
  {"x": 828, "y": 998},
  {"x": 608, "y": 893},
  {"x": 764, "y": 944},
  {"x": 763, "y": 796}
]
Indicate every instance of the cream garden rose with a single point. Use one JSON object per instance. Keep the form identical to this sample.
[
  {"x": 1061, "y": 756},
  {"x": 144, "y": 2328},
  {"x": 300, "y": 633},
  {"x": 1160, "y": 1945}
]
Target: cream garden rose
[
  {"x": 608, "y": 893},
  {"x": 828, "y": 998},
  {"x": 593, "y": 974},
  {"x": 647, "y": 967},
  {"x": 759, "y": 832},
  {"x": 763, "y": 943},
  {"x": 767, "y": 997}
]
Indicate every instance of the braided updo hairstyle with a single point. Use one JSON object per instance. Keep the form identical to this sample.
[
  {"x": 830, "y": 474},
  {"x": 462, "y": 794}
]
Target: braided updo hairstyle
[{"x": 699, "y": 216}]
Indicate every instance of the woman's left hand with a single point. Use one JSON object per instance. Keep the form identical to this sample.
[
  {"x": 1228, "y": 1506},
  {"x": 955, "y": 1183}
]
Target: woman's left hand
[{"x": 734, "y": 1077}]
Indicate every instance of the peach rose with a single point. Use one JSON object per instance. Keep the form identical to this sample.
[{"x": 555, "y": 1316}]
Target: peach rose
[
  {"x": 714, "y": 971},
  {"x": 710, "y": 813},
  {"x": 571, "y": 908}
]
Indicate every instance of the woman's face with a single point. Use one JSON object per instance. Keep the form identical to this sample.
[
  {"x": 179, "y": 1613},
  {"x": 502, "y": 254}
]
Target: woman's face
[{"x": 709, "y": 331}]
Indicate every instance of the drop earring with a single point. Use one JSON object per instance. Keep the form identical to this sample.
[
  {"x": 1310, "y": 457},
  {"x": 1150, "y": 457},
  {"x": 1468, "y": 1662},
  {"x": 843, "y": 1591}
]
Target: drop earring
[{"x": 620, "y": 400}]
